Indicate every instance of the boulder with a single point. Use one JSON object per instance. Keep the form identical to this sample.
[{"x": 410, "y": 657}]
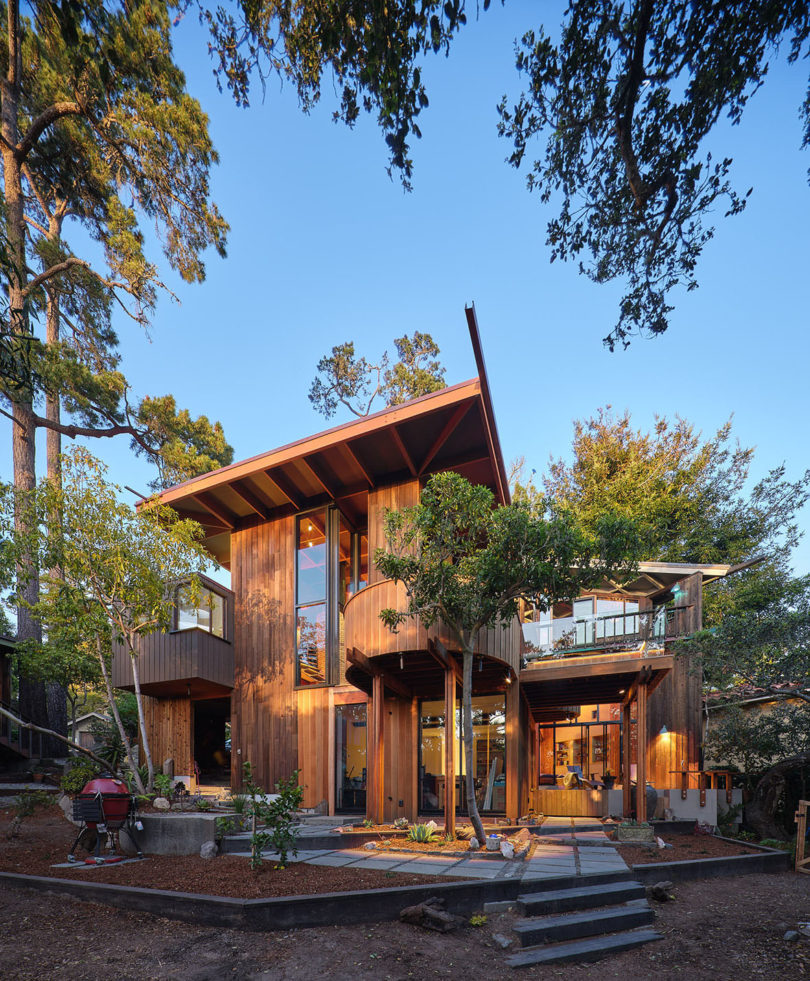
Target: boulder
[
  {"x": 209, "y": 849},
  {"x": 431, "y": 915},
  {"x": 370, "y": 846},
  {"x": 791, "y": 936},
  {"x": 161, "y": 804},
  {"x": 660, "y": 891},
  {"x": 507, "y": 849},
  {"x": 474, "y": 844},
  {"x": 501, "y": 941}
]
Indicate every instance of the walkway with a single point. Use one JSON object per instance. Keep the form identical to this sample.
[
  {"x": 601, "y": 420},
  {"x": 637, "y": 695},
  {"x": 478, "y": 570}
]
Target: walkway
[{"x": 566, "y": 846}]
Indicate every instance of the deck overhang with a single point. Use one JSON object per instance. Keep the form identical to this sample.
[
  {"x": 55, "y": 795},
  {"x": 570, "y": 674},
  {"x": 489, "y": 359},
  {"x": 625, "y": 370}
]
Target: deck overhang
[{"x": 591, "y": 680}]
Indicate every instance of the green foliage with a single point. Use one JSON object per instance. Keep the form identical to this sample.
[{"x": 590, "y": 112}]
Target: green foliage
[
  {"x": 623, "y": 106},
  {"x": 368, "y": 823},
  {"x": 163, "y": 784},
  {"x": 757, "y": 738},
  {"x": 277, "y": 816},
  {"x": 238, "y": 803},
  {"x": 727, "y": 819},
  {"x": 202, "y": 804},
  {"x": 25, "y": 805},
  {"x": 79, "y": 772},
  {"x": 423, "y": 833},
  {"x": 345, "y": 379},
  {"x": 478, "y": 920},
  {"x": 401, "y": 823}
]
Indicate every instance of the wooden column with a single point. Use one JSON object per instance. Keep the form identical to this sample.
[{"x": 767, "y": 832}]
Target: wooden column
[
  {"x": 513, "y": 803},
  {"x": 449, "y": 752},
  {"x": 376, "y": 751},
  {"x": 626, "y": 757},
  {"x": 641, "y": 766}
]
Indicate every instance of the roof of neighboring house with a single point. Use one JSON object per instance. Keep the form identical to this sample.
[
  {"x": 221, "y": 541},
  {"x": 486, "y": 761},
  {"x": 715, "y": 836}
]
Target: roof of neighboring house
[
  {"x": 102, "y": 716},
  {"x": 654, "y": 578}
]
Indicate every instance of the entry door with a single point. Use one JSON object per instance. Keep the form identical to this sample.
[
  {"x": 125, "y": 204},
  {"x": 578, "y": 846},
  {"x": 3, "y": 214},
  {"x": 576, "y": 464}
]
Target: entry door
[{"x": 350, "y": 757}]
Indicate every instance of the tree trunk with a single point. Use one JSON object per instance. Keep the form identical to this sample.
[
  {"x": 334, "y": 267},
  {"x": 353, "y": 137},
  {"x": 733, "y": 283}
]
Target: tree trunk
[
  {"x": 467, "y": 729},
  {"x": 121, "y": 730},
  {"x": 54, "y": 735},
  {"x": 33, "y": 704},
  {"x": 760, "y": 811},
  {"x": 136, "y": 680}
]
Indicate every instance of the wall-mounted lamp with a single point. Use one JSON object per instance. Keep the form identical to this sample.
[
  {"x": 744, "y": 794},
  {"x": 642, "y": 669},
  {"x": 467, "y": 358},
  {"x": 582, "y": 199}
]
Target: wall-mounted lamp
[
  {"x": 664, "y": 731},
  {"x": 507, "y": 680},
  {"x": 401, "y": 662}
]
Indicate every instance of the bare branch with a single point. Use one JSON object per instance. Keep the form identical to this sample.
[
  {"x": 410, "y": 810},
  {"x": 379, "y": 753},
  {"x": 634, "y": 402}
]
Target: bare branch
[{"x": 45, "y": 119}]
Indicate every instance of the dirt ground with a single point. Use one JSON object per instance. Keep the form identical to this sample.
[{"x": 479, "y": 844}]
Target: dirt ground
[
  {"x": 684, "y": 848},
  {"x": 714, "y": 930},
  {"x": 46, "y": 838}
]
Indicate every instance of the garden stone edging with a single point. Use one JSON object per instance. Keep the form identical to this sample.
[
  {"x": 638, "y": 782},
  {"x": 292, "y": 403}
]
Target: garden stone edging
[{"x": 770, "y": 860}]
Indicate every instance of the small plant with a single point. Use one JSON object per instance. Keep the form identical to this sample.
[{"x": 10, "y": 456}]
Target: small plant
[
  {"x": 277, "y": 815},
  {"x": 239, "y": 804},
  {"x": 421, "y": 833},
  {"x": 163, "y": 784},
  {"x": 449, "y": 839},
  {"x": 368, "y": 823},
  {"x": 226, "y": 825},
  {"x": 81, "y": 771},
  {"x": 478, "y": 920},
  {"x": 401, "y": 823},
  {"x": 24, "y": 806},
  {"x": 202, "y": 804}
]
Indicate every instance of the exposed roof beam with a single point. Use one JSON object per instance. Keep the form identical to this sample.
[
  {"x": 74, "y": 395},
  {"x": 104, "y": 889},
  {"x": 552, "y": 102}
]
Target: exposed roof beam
[
  {"x": 359, "y": 660},
  {"x": 250, "y": 499},
  {"x": 316, "y": 472},
  {"x": 486, "y": 398},
  {"x": 439, "y": 653},
  {"x": 449, "y": 428},
  {"x": 213, "y": 506},
  {"x": 359, "y": 464},
  {"x": 281, "y": 484},
  {"x": 403, "y": 450}
]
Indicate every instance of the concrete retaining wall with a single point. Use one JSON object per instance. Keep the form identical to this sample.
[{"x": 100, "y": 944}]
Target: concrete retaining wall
[{"x": 172, "y": 834}]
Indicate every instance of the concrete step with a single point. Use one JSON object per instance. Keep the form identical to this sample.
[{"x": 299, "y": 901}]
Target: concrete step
[
  {"x": 583, "y": 897},
  {"x": 573, "y": 926},
  {"x": 589, "y": 949}
]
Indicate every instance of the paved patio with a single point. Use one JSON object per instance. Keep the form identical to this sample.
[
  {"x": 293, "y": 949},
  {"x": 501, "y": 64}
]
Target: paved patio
[{"x": 567, "y": 846}]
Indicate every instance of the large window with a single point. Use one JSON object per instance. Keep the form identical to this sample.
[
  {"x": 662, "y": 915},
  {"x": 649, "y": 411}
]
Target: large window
[
  {"x": 331, "y": 565},
  {"x": 201, "y": 609},
  {"x": 350, "y": 757}
]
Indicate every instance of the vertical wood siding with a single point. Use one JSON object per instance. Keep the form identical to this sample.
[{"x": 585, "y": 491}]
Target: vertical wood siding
[
  {"x": 170, "y": 724},
  {"x": 394, "y": 497}
]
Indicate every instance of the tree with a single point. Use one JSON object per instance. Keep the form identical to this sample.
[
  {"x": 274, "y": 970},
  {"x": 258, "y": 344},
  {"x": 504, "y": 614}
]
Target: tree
[
  {"x": 468, "y": 564},
  {"x": 97, "y": 131},
  {"x": 344, "y": 379},
  {"x": 115, "y": 570},
  {"x": 626, "y": 103},
  {"x": 688, "y": 495}
]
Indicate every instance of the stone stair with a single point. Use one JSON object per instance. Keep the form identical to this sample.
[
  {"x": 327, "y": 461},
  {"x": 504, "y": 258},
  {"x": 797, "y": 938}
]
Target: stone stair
[{"x": 582, "y": 923}]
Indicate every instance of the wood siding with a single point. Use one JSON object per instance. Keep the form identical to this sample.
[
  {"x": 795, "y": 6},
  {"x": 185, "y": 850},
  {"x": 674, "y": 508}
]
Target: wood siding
[
  {"x": 170, "y": 724},
  {"x": 400, "y": 781},
  {"x": 316, "y": 751},
  {"x": 675, "y": 703},
  {"x": 264, "y": 711},
  {"x": 577, "y": 803},
  {"x": 166, "y": 660},
  {"x": 367, "y": 633},
  {"x": 393, "y": 498}
]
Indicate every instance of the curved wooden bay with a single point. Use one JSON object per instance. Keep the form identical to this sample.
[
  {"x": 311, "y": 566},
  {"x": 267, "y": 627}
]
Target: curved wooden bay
[{"x": 365, "y": 631}]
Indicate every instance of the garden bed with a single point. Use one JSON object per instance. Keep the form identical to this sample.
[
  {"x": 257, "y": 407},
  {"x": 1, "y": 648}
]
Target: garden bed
[
  {"x": 685, "y": 848},
  {"x": 46, "y": 837}
]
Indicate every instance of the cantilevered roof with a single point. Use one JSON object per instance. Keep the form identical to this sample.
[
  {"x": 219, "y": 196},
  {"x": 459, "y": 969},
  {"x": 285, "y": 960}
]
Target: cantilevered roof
[
  {"x": 654, "y": 578},
  {"x": 452, "y": 429}
]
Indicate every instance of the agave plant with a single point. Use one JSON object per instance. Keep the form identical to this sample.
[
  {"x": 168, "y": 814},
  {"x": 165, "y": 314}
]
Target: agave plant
[{"x": 422, "y": 833}]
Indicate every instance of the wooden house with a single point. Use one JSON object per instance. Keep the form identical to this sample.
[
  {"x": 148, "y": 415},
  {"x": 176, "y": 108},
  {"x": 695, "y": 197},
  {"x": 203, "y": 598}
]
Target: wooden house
[{"x": 292, "y": 668}]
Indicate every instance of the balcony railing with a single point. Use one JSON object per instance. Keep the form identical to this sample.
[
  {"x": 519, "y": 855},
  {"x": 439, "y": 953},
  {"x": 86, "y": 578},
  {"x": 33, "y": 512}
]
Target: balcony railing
[{"x": 566, "y": 635}]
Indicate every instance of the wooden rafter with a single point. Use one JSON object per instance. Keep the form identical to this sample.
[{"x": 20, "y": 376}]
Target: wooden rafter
[
  {"x": 281, "y": 484},
  {"x": 359, "y": 464},
  {"x": 449, "y": 428},
  {"x": 252, "y": 501},
  {"x": 406, "y": 456},
  {"x": 365, "y": 664},
  {"x": 213, "y": 507},
  {"x": 317, "y": 473},
  {"x": 440, "y": 654}
]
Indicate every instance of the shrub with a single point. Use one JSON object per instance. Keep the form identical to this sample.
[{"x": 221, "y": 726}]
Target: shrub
[
  {"x": 164, "y": 784},
  {"x": 24, "y": 806},
  {"x": 422, "y": 833},
  {"x": 401, "y": 823},
  {"x": 278, "y": 817},
  {"x": 79, "y": 772}
]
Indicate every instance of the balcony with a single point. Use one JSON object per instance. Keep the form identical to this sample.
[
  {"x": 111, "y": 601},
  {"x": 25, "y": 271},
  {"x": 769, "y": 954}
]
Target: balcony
[
  {"x": 184, "y": 662},
  {"x": 568, "y": 636}
]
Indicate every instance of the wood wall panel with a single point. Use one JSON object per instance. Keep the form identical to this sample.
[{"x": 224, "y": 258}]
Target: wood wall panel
[
  {"x": 170, "y": 725},
  {"x": 181, "y": 655},
  {"x": 675, "y": 703},
  {"x": 394, "y": 497},
  {"x": 315, "y": 734},
  {"x": 264, "y": 711},
  {"x": 400, "y": 778}
]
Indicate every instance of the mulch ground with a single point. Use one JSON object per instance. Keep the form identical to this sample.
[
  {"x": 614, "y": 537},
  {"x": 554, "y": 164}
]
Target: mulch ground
[
  {"x": 714, "y": 930},
  {"x": 684, "y": 848},
  {"x": 46, "y": 837}
]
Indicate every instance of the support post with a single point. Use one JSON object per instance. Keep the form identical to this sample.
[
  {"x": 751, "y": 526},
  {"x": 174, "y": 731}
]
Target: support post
[
  {"x": 641, "y": 765},
  {"x": 449, "y": 752},
  {"x": 377, "y": 762},
  {"x": 626, "y": 757}
]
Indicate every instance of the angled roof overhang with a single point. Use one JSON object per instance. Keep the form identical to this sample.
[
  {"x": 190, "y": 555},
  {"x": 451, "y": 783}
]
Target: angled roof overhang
[
  {"x": 656, "y": 578},
  {"x": 452, "y": 429}
]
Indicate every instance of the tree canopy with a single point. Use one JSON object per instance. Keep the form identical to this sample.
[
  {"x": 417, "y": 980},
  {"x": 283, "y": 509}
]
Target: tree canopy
[
  {"x": 625, "y": 107},
  {"x": 351, "y": 381},
  {"x": 468, "y": 564}
]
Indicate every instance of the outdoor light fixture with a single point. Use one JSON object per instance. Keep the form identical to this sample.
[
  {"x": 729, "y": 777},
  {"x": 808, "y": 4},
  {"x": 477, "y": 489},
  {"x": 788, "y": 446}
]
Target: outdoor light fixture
[
  {"x": 507, "y": 680},
  {"x": 401, "y": 662},
  {"x": 664, "y": 731},
  {"x": 480, "y": 664}
]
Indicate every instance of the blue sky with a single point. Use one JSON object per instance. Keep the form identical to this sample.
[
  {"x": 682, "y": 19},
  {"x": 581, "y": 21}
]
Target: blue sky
[{"x": 324, "y": 247}]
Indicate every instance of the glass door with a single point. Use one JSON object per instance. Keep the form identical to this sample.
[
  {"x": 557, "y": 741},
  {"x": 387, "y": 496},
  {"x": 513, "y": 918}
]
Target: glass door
[{"x": 350, "y": 757}]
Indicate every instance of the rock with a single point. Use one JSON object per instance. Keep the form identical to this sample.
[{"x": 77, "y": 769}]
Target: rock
[
  {"x": 208, "y": 849},
  {"x": 521, "y": 836},
  {"x": 474, "y": 844},
  {"x": 433, "y": 826},
  {"x": 502, "y": 941},
  {"x": 66, "y": 803},
  {"x": 370, "y": 846},
  {"x": 507, "y": 849},
  {"x": 161, "y": 804},
  {"x": 792, "y": 936},
  {"x": 804, "y": 929},
  {"x": 660, "y": 891}
]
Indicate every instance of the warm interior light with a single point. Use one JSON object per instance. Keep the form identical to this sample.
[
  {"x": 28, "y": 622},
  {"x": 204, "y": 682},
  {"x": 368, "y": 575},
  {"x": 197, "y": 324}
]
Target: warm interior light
[{"x": 508, "y": 680}]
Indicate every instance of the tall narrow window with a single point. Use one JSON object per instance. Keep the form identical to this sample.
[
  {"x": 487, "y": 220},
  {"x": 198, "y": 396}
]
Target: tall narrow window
[{"x": 311, "y": 592}]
